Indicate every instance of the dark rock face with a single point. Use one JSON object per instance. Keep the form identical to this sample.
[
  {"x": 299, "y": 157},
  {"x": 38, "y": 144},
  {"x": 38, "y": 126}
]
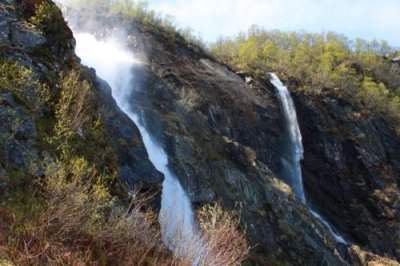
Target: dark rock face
[
  {"x": 21, "y": 143},
  {"x": 135, "y": 168},
  {"x": 351, "y": 170},
  {"x": 220, "y": 134},
  {"x": 223, "y": 133},
  {"x": 18, "y": 152}
]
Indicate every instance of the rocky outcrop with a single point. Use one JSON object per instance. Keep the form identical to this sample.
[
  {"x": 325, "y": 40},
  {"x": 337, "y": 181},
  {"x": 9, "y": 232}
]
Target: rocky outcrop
[
  {"x": 224, "y": 135},
  {"x": 125, "y": 137},
  {"x": 221, "y": 133},
  {"x": 24, "y": 127},
  {"x": 351, "y": 170}
]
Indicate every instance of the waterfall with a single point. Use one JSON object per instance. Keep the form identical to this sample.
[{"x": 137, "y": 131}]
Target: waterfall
[
  {"x": 291, "y": 160},
  {"x": 114, "y": 63}
]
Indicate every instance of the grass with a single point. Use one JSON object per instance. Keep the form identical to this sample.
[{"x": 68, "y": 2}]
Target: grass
[{"x": 69, "y": 220}]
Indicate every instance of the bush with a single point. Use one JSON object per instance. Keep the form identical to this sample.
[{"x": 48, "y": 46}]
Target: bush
[
  {"x": 24, "y": 86},
  {"x": 79, "y": 222},
  {"x": 29, "y": 6},
  {"x": 73, "y": 113},
  {"x": 225, "y": 243},
  {"x": 79, "y": 130},
  {"x": 49, "y": 19}
]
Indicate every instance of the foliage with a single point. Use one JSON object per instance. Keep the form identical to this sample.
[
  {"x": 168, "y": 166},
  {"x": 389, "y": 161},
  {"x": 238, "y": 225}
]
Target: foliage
[
  {"x": 225, "y": 243},
  {"x": 80, "y": 223},
  {"x": 29, "y": 6},
  {"x": 79, "y": 129},
  {"x": 49, "y": 19},
  {"x": 357, "y": 70},
  {"x": 25, "y": 87},
  {"x": 46, "y": 16},
  {"x": 136, "y": 11},
  {"x": 14, "y": 78}
]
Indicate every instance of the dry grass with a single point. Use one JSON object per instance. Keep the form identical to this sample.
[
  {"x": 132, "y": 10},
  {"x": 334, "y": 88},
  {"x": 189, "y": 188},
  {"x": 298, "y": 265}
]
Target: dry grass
[
  {"x": 225, "y": 243},
  {"x": 80, "y": 223},
  {"x": 219, "y": 240}
]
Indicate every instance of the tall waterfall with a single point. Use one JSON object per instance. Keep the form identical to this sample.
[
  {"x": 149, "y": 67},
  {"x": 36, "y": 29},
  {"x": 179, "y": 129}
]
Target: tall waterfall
[
  {"x": 291, "y": 161},
  {"x": 114, "y": 64}
]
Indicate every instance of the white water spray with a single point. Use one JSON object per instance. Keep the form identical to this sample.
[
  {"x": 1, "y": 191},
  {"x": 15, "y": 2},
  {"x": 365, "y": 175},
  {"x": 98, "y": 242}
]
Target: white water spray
[
  {"x": 114, "y": 64},
  {"x": 292, "y": 160}
]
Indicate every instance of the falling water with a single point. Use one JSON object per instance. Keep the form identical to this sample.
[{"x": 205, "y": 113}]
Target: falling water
[
  {"x": 114, "y": 64},
  {"x": 295, "y": 154},
  {"x": 291, "y": 161}
]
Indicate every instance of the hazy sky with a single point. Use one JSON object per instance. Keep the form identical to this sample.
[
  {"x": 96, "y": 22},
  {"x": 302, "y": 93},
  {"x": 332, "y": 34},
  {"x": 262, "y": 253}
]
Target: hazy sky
[{"x": 367, "y": 19}]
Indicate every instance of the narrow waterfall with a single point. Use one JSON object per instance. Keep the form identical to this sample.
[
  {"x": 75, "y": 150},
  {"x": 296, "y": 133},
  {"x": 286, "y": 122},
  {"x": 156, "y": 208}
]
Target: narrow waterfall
[
  {"x": 114, "y": 63},
  {"x": 291, "y": 161}
]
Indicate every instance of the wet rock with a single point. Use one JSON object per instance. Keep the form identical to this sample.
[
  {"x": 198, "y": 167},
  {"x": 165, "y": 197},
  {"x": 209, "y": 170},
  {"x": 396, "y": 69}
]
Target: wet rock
[
  {"x": 135, "y": 167},
  {"x": 6, "y": 18},
  {"x": 224, "y": 135}
]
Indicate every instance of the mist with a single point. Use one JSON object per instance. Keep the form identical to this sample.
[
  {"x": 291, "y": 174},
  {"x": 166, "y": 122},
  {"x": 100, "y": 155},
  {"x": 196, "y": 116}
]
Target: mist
[{"x": 106, "y": 50}]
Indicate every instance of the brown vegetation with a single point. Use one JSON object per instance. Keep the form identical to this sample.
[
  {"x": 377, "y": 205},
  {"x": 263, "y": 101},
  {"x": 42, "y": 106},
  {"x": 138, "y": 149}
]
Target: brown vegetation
[{"x": 80, "y": 223}]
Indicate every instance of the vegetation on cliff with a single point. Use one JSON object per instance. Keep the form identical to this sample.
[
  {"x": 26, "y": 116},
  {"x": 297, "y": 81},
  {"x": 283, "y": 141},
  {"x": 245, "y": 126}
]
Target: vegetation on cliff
[
  {"x": 63, "y": 201},
  {"x": 357, "y": 70},
  {"x": 137, "y": 11},
  {"x": 63, "y": 197}
]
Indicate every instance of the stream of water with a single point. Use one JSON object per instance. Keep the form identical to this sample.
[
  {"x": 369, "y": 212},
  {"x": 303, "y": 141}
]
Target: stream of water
[
  {"x": 291, "y": 161},
  {"x": 113, "y": 63}
]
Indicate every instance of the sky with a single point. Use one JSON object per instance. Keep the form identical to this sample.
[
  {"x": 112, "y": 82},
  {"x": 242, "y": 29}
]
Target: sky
[{"x": 367, "y": 19}]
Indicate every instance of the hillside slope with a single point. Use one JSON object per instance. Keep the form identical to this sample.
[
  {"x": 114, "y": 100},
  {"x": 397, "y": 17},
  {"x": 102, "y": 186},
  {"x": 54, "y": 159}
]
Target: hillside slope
[{"x": 224, "y": 135}]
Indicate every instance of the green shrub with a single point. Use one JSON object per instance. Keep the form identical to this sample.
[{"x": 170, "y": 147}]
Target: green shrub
[
  {"x": 49, "y": 19},
  {"x": 356, "y": 70},
  {"x": 29, "y": 6},
  {"x": 73, "y": 114},
  {"x": 79, "y": 128},
  {"x": 80, "y": 223},
  {"x": 16, "y": 79},
  {"x": 25, "y": 87}
]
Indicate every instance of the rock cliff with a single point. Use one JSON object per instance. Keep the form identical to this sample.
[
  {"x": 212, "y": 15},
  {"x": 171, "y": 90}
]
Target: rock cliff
[
  {"x": 223, "y": 132},
  {"x": 25, "y": 126},
  {"x": 225, "y": 135}
]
